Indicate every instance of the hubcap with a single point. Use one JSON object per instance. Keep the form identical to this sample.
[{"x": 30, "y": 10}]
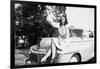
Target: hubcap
[{"x": 73, "y": 59}]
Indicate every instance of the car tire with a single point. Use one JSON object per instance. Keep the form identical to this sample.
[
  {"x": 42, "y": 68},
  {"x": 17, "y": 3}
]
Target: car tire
[{"x": 75, "y": 58}]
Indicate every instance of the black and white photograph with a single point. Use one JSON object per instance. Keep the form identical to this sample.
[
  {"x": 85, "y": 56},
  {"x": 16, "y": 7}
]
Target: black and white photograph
[{"x": 49, "y": 34}]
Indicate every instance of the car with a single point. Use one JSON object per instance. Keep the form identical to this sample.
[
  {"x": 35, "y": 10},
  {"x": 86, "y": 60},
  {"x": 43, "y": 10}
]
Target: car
[{"x": 79, "y": 48}]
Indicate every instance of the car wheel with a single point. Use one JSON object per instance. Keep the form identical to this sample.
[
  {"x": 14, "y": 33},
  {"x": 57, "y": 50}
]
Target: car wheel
[{"x": 75, "y": 58}]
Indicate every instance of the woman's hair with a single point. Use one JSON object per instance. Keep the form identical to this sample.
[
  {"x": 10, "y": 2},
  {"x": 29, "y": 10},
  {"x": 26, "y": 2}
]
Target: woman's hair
[{"x": 66, "y": 21}]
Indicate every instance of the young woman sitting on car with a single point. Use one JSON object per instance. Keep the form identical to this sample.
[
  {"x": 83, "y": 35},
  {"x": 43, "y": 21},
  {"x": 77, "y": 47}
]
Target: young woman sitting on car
[{"x": 60, "y": 42}]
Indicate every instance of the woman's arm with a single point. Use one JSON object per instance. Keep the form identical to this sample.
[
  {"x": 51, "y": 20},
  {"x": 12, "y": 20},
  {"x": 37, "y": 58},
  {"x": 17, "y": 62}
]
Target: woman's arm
[{"x": 67, "y": 31}]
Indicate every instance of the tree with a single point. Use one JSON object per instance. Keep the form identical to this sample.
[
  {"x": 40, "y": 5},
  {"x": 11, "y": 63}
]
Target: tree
[{"x": 31, "y": 19}]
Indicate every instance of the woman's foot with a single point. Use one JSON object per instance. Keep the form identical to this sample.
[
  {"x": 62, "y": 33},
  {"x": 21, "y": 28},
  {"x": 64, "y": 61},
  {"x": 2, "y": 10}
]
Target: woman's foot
[{"x": 43, "y": 59}]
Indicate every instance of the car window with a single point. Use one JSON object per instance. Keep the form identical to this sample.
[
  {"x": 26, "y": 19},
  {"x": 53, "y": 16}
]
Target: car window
[{"x": 76, "y": 33}]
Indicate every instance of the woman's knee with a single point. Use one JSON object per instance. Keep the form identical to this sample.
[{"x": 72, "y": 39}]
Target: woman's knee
[{"x": 54, "y": 40}]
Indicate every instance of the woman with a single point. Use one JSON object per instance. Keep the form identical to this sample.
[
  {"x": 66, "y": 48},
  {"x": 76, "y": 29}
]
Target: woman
[{"x": 60, "y": 42}]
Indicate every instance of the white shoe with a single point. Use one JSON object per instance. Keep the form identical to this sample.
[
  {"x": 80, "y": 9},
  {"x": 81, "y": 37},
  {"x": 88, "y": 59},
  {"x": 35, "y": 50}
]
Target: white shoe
[{"x": 43, "y": 60}]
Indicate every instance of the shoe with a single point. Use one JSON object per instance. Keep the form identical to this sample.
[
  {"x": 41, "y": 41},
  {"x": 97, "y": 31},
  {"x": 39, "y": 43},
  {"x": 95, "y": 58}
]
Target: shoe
[{"x": 43, "y": 60}]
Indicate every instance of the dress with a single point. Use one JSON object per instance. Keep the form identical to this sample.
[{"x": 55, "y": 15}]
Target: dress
[{"x": 63, "y": 38}]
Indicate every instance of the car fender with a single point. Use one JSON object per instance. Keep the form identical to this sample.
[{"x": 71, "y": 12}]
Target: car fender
[{"x": 65, "y": 57}]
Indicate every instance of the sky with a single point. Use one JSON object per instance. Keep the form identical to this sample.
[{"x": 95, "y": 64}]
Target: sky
[{"x": 81, "y": 17}]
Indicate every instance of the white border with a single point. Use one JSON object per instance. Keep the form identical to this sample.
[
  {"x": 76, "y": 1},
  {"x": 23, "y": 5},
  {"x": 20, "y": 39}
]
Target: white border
[{"x": 5, "y": 34}]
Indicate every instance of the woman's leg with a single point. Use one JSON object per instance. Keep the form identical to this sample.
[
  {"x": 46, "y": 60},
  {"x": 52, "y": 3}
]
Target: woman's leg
[
  {"x": 58, "y": 44},
  {"x": 51, "y": 50},
  {"x": 46, "y": 56}
]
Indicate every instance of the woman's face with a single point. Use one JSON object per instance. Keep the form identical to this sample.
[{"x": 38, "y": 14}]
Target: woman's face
[{"x": 63, "y": 20}]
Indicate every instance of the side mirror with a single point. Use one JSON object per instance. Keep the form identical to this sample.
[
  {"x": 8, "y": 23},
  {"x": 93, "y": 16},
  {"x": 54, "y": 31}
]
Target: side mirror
[{"x": 91, "y": 35}]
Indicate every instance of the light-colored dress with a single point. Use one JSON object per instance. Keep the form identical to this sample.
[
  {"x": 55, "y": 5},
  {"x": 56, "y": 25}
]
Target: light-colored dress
[{"x": 63, "y": 37}]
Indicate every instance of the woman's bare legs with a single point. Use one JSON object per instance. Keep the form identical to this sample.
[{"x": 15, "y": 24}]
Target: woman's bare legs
[
  {"x": 51, "y": 50},
  {"x": 46, "y": 56}
]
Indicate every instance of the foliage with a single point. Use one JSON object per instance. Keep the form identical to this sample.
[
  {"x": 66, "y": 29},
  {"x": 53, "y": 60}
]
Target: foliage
[{"x": 31, "y": 20}]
